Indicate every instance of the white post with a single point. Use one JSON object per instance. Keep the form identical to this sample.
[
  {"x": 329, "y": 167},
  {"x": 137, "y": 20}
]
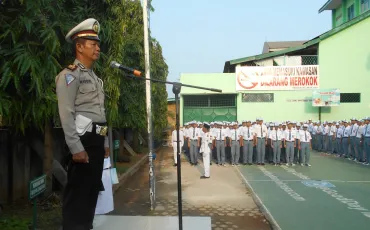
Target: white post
[{"x": 148, "y": 104}]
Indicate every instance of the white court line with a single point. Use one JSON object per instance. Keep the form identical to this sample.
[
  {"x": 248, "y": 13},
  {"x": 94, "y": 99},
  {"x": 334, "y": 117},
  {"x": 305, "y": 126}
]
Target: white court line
[
  {"x": 272, "y": 219},
  {"x": 341, "y": 181}
]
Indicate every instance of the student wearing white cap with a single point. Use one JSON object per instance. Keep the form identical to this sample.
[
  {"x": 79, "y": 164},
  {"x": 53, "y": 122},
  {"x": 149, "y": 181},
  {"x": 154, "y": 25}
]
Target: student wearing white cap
[
  {"x": 304, "y": 145},
  {"x": 236, "y": 139},
  {"x": 193, "y": 136},
  {"x": 352, "y": 137},
  {"x": 247, "y": 143},
  {"x": 220, "y": 136},
  {"x": 174, "y": 143},
  {"x": 276, "y": 137},
  {"x": 319, "y": 136},
  {"x": 359, "y": 138},
  {"x": 260, "y": 135},
  {"x": 289, "y": 143},
  {"x": 205, "y": 150},
  {"x": 269, "y": 150},
  {"x": 366, "y": 134},
  {"x": 338, "y": 139},
  {"x": 345, "y": 139},
  {"x": 331, "y": 137}
]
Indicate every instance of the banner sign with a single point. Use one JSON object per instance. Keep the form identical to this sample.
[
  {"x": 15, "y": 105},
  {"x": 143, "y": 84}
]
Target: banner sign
[
  {"x": 277, "y": 77},
  {"x": 326, "y": 97}
]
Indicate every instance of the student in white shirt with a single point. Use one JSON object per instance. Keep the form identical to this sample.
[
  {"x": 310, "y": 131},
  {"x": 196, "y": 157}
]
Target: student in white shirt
[
  {"x": 304, "y": 145},
  {"x": 289, "y": 143},
  {"x": 193, "y": 136},
  {"x": 260, "y": 135},
  {"x": 276, "y": 137},
  {"x": 174, "y": 143},
  {"x": 205, "y": 149}
]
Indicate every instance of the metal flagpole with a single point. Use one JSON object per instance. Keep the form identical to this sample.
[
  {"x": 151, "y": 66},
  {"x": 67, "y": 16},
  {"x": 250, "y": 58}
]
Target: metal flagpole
[{"x": 148, "y": 104}]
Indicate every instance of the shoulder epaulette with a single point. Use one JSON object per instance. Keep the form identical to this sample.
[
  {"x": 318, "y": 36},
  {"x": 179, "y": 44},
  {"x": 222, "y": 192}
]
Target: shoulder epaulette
[{"x": 72, "y": 67}]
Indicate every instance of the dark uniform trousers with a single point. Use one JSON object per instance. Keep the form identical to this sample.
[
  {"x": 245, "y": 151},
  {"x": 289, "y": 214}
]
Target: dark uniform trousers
[{"x": 84, "y": 184}]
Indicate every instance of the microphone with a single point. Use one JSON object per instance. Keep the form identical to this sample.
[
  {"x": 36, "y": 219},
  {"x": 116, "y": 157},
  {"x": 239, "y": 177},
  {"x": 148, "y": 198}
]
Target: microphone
[{"x": 135, "y": 72}]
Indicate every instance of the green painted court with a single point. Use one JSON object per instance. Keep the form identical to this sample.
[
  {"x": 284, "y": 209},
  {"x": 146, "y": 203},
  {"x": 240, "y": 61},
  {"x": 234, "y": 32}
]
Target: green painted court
[{"x": 332, "y": 194}]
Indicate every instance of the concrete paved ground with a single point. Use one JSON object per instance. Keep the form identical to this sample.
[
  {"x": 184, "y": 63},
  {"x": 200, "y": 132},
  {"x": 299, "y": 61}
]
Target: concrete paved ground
[
  {"x": 223, "y": 197},
  {"x": 332, "y": 194}
]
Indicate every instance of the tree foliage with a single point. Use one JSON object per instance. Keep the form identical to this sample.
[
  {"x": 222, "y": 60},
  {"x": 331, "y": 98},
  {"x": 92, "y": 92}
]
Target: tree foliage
[{"x": 33, "y": 51}]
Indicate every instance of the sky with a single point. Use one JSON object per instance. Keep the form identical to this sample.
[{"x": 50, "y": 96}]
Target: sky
[{"x": 199, "y": 36}]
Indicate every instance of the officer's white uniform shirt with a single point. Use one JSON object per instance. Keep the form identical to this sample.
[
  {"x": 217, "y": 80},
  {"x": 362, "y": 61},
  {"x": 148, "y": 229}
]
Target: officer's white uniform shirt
[
  {"x": 289, "y": 133},
  {"x": 257, "y": 131},
  {"x": 174, "y": 136},
  {"x": 304, "y": 136},
  {"x": 276, "y": 134},
  {"x": 360, "y": 131},
  {"x": 200, "y": 130},
  {"x": 206, "y": 140}
]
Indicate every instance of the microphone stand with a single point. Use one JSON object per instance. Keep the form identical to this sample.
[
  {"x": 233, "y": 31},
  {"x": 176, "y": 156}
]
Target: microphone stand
[{"x": 176, "y": 89}]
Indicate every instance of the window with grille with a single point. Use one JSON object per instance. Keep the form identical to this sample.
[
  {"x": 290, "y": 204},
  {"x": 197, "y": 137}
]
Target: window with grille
[
  {"x": 310, "y": 60},
  {"x": 350, "y": 97},
  {"x": 257, "y": 97},
  {"x": 351, "y": 12},
  {"x": 223, "y": 100},
  {"x": 365, "y": 5}
]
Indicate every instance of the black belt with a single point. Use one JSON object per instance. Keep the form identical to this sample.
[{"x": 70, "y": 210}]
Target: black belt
[{"x": 247, "y": 140}]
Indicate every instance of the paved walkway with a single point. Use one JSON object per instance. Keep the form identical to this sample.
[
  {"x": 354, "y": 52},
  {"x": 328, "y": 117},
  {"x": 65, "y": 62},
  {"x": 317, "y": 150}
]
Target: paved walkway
[
  {"x": 223, "y": 197},
  {"x": 332, "y": 194}
]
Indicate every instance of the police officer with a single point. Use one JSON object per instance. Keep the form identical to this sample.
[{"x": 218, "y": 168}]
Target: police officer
[{"x": 80, "y": 95}]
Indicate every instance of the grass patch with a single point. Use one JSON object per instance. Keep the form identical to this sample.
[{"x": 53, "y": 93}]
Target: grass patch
[{"x": 14, "y": 223}]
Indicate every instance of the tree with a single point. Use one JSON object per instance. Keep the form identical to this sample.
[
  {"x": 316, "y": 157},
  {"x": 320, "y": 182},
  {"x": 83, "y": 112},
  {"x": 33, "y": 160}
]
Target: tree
[{"x": 33, "y": 51}]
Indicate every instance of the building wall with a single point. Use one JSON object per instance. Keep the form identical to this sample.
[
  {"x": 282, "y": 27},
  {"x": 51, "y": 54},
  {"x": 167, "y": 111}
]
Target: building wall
[
  {"x": 345, "y": 56},
  {"x": 338, "y": 16},
  {"x": 283, "y": 107}
]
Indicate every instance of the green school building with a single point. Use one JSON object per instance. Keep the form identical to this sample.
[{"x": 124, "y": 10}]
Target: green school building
[{"x": 337, "y": 59}]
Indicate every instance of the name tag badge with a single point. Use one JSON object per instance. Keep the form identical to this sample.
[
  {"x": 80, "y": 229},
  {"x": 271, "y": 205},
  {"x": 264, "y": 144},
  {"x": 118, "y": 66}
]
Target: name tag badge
[{"x": 87, "y": 81}]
